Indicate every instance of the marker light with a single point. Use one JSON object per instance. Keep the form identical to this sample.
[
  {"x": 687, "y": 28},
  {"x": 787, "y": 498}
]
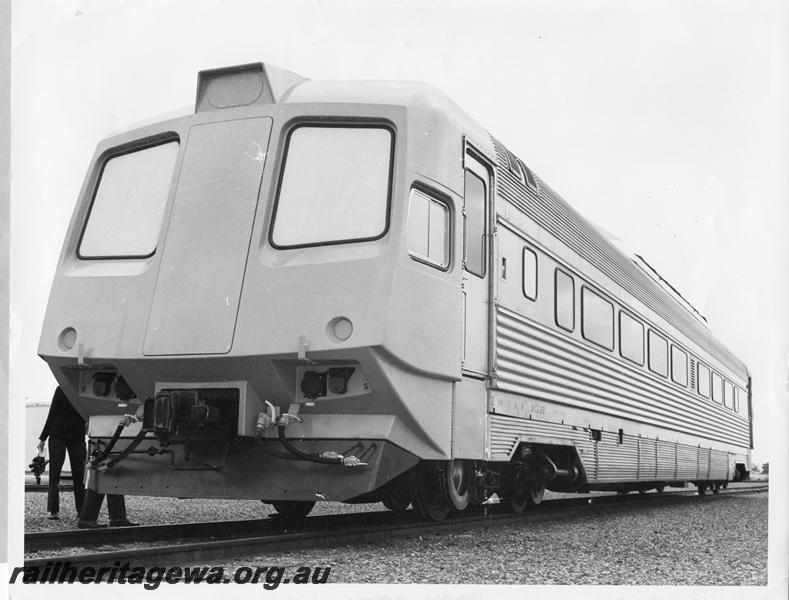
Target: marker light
[
  {"x": 340, "y": 328},
  {"x": 67, "y": 339}
]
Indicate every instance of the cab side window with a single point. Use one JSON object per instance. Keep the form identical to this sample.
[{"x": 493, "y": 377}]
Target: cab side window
[{"x": 428, "y": 229}]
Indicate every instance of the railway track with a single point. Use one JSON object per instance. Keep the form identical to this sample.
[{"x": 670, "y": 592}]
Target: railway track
[{"x": 191, "y": 543}]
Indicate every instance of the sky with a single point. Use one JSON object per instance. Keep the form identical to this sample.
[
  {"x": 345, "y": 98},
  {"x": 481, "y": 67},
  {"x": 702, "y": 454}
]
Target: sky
[{"x": 664, "y": 123}]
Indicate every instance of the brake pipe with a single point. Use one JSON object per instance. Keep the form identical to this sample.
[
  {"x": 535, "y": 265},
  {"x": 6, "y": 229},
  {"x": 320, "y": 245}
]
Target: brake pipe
[
  {"x": 338, "y": 460},
  {"x": 324, "y": 458},
  {"x": 128, "y": 450},
  {"x": 126, "y": 420}
]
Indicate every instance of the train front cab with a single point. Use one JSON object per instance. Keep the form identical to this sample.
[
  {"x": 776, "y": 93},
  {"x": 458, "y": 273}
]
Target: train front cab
[{"x": 214, "y": 321}]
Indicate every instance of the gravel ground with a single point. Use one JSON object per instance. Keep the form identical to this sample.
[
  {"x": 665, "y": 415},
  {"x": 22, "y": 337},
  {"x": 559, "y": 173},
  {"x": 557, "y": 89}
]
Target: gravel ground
[
  {"x": 707, "y": 541},
  {"x": 150, "y": 510},
  {"x": 153, "y": 510}
]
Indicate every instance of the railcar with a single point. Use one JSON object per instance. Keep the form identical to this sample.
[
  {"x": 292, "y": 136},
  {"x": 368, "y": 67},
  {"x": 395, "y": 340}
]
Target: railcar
[{"x": 351, "y": 291}]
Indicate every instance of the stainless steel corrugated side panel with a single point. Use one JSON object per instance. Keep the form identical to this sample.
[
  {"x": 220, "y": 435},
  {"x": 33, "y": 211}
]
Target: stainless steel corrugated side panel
[
  {"x": 608, "y": 461},
  {"x": 687, "y": 462},
  {"x": 647, "y": 459},
  {"x": 617, "y": 462},
  {"x": 534, "y": 361},
  {"x": 507, "y": 431},
  {"x": 550, "y": 211},
  {"x": 704, "y": 462},
  {"x": 666, "y": 456}
]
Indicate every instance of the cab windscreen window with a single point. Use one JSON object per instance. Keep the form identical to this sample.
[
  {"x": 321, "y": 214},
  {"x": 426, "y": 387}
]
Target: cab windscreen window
[
  {"x": 428, "y": 229},
  {"x": 565, "y": 300},
  {"x": 597, "y": 319},
  {"x": 128, "y": 205},
  {"x": 658, "y": 354},
  {"x": 631, "y": 339},
  {"x": 335, "y": 186}
]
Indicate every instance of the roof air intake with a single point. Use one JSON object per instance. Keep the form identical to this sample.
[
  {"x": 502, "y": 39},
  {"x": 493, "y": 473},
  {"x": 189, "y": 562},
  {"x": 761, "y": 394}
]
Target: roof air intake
[{"x": 243, "y": 85}]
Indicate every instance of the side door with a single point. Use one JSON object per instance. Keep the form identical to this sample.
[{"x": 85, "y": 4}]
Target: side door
[{"x": 477, "y": 195}]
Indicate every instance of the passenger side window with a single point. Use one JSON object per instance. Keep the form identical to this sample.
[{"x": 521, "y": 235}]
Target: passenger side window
[
  {"x": 597, "y": 322},
  {"x": 631, "y": 338},
  {"x": 717, "y": 388},
  {"x": 740, "y": 400},
  {"x": 565, "y": 300},
  {"x": 679, "y": 366},
  {"x": 728, "y": 395},
  {"x": 658, "y": 354},
  {"x": 529, "y": 273},
  {"x": 704, "y": 380},
  {"x": 475, "y": 228},
  {"x": 428, "y": 229}
]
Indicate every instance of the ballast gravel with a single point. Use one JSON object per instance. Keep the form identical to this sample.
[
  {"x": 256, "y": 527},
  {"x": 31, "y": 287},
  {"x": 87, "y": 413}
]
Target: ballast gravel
[
  {"x": 151, "y": 510},
  {"x": 711, "y": 540}
]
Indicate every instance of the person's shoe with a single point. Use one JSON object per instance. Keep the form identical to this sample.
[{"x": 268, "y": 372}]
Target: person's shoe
[
  {"x": 53, "y": 517},
  {"x": 123, "y": 523},
  {"x": 89, "y": 525}
]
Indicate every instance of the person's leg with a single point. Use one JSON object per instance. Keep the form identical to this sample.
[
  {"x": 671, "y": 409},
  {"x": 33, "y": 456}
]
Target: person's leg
[
  {"x": 91, "y": 506},
  {"x": 116, "y": 506},
  {"x": 57, "y": 455},
  {"x": 77, "y": 455}
]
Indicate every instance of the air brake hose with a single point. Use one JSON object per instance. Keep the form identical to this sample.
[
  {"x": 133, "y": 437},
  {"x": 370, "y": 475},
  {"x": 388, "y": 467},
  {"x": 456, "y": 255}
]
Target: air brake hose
[
  {"x": 128, "y": 450},
  {"x": 303, "y": 455},
  {"x": 108, "y": 448}
]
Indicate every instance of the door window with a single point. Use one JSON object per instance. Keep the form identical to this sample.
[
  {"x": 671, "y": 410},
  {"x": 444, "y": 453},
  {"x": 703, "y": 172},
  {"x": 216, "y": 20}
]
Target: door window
[{"x": 475, "y": 230}]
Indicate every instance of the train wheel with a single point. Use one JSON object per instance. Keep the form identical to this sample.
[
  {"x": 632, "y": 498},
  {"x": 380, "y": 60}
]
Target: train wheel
[
  {"x": 659, "y": 489},
  {"x": 293, "y": 509},
  {"x": 536, "y": 492},
  {"x": 702, "y": 488},
  {"x": 517, "y": 502},
  {"x": 427, "y": 494},
  {"x": 716, "y": 487},
  {"x": 515, "y": 492},
  {"x": 456, "y": 480},
  {"x": 395, "y": 501}
]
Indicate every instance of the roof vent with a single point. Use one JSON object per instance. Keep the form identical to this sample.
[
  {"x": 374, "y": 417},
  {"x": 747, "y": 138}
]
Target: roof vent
[{"x": 243, "y": 85}]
